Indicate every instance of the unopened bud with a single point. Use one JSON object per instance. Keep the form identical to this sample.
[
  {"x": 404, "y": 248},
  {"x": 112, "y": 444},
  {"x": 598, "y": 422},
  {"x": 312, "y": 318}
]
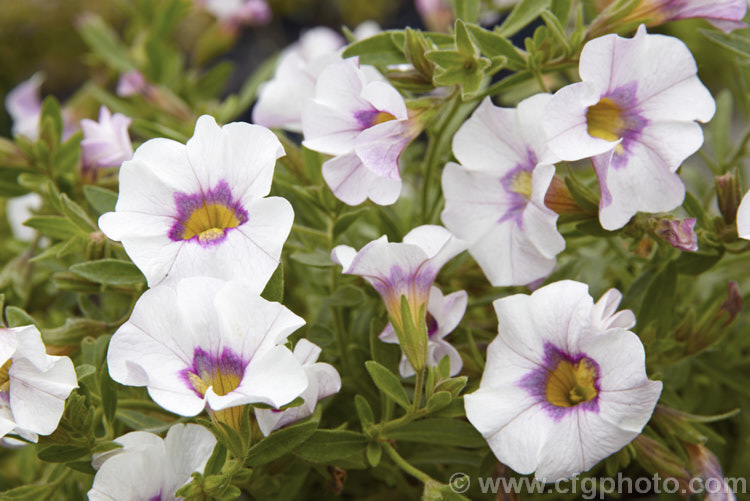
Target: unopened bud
[
  {"x": 559, "y": 199},
  {"x": 680, "y": 234},
  {"x": 728, "y": 195}
]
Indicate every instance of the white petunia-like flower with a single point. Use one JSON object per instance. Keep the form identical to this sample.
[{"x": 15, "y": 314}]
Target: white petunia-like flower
[
  {"x": 149, "y": 468},
  {"x": 404, "y": 270},
  {"x": 25, "y": 107},
  {"x": 634, "y": 114},
  {"x": 495, "y": 198},
  {"x": 18, "y": 210},
  {"x": 33, "y": 385},
  {"x": 726, "y": 15},
  {"x": 743, "y": 217},
  {"x": 106, "y": 142},
  {"x": 280, "y": 99},
  {"x": 200, "y": 209},
  {"x": 565, "y": 383},
  {"x": 323, "y": 380},
  {"x": 443, "y": 315},
  {"x": 208, "y": 343},
  {"x": 364, "y": 123},
  {"x": 239, "y": 12}
]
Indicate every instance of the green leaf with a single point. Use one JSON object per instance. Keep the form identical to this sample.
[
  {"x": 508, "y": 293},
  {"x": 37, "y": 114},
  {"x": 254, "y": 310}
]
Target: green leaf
[
  {"x": 28, "y": 493},
  {"x": 467, "y": 10},
  {"x": 695, "y": 263},
  {"x": 54, "y": 226},
  {"x": 280, "y": 442},
  {"x": 453, "y": 385},
  {"x": 522, "y": 14},
  {"x": 104, "y": 42},
  {"x": 62, "y": 453},
  {"x": 438, "y": 400},
  {"x": 442, "y": 431},
  {"x": 739, "y": 44},
  {"x": 51, "y": 121},
  {"x": 380, "y": 49},
  {"x": 77, "y": 215},
  {"x": 216, "y": 461},
  {"x": 346, "y": 296},
  {"x": 84, "y": 370},
  {"x": 109, "y": 271},
  {"x": 373, "y": 453},
  {"x": 325, "y": 446},
  {"x": 317, "y": 258},
  {"x": 660, "y": 298},
  {"x": 17, "y": 317},
  {"x": 720, "y": 127},
  {"x": 493, "y": 44},
  {"x": 364, "y": 411},
  {"x": 101, "y": 199},
  {"x": 139, "y": 421},
  {"x": 274, "y": 290},
  {"x": 108, "y": 393},
  {"x": 388, "y": 383},
  {"x": 346, "y": 220},
  {"x": 73, "y": 330}
]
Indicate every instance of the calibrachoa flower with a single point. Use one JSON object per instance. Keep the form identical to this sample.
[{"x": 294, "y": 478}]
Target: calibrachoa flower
[
  {"x": 147, "y": 467},
  {"x": 207, "y": 342},
  {"x": 495, "y": 198},
  {"x": 564, "y": 386},
  {"x": 280, "y": 99},
  {"x": 726, "y": 15},
  {"x": 443, "y": 315},
  {"x": 33, "y": 385},
  {"x": 25, "y": 107},
  {"x": 323, "y": 380},
  {"x": 239, "y": 12},
  {"x": 707, "y": 467},
  {"x": 634, "y": 113},
  {"x": 18, "y": 210},
  {"x": 437, "y": 15},
  {"x": 402, "y": 273},
  {"x": 201, "y": 208},
  {"x": 680, "y": 234},
  {"x": 743, "y": 217},
  {"x": 365, "y": 124},
  {"x": 131, "y": 83},
  {"x": 106, "y": 143}
]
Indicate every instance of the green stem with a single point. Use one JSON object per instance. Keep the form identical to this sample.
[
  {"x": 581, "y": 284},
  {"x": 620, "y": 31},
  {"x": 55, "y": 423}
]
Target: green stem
[
  {"x": 404, "y": 465},
  {"x": 418, "y": 390}
]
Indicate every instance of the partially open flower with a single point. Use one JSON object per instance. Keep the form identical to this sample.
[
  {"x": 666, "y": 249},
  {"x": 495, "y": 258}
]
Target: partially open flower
[
  {"x": 201, "y": 209},
  {"x": 131, "y": 83},
  {"x": 634, "y": 114},
  {"x": 323, "y": 380},
  {"x": 565, "y": 384},
  {"x": 33, "y": 385},
  {"x": 105, "y": 143},
  {"x": 705, "y": 464},
  {"x": 24, "y": 105},
  {"x": 239, "y": 12},
  {"x": 147, "y": 467},
  {"x": 495, "y": 198},
  {"x": 680, "y": 234},
  {"x": 403, "y": 273},
  {"x": 443, "y": 315},
  {"x": 208, "y": 343}
]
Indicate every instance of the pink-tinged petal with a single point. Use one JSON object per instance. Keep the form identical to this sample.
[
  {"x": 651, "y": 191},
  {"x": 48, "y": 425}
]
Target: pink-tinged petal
[
  {"x": 724, "y": 14},
  {"x": 566, "y": 126},
  {"x": 353, "y": 183},
  {"x": 438, "y": 350},
  {"x": 447, "y": 310},
  {"x": 388, "y": 335},
  {"x": 329, "y": 129},
  {"x": 383, "y": 97},
  {"x": 743, "y": 217},
  {"x": 25, "y": 107},
  {"x": 379, "y": 147},
  {"x": 131, "y": 83},
  {"x": 106, "y": 142},
  {"x": 491, "y": 140}
]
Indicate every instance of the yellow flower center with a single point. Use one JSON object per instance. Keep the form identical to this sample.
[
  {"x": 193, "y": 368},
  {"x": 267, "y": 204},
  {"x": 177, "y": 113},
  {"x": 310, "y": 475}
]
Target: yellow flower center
[
  {"x": 5, "y": 376},
  {"x": 605, "y": 120},
  {"x": 382, "y": 117},
  {"x": 521, "y": 183},
  {"x": 209, "y": 222},
  {"x": 570, "y": 385}
]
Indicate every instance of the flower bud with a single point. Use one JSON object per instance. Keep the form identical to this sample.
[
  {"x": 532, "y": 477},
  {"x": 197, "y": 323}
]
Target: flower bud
[
  {"x": 680, "y": 234},
  {"x": 106, "y": 143},
  {"x": 559, "y": 199},
  {"x": 728, "y": 195},
  {"x": 437, "y": 15}
]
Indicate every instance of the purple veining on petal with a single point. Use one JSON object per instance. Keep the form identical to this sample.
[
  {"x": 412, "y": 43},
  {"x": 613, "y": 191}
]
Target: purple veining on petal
[
  {"x": 535, "y": 382},
  {"x": 187, "y": 203},
  {"x": 206, "y": 366},
  {"x": 627, "y": 101}
]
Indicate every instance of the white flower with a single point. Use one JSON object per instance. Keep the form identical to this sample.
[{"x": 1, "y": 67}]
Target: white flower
[
  {"x": 33, "y": 385},
  {"x": 495, "y": 198},
  {"x": 106, "y": 143},
  {"x": 280, "y": 99},
  {"x": 149, "y": 468},
  {"x": 199, "y": 208},
  {"x": 726, "y": 15},
  {"x": 364, "y": 123},
  {"x": 743, "y": 217},
  {"x": 443, "y": 315},
  {"x": 634, "y": 113},
  {"x": 239, "y": 12},
  {"x": 18, "y": 210},
  {"x": 323, "y": 380},
  {"x": 25, "y": 107},
  {"x": 207, "y": 342},
  {"x": 559, "y": 393},
  {"x": 404, "y": 270}
]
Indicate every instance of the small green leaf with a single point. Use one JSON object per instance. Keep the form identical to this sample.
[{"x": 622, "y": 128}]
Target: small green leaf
[
  {"x": 318, "y": 258},
  {"x": 364, "y": 411},
  {"x": 660, "y": 297},
  {"x": 522, "y": 14},
  {"x": 467, "y": 10},
  {"x": 325, "y": 446},
  {"x": 377, "y": 50},
  {"x": 54, "y": 226},
  {"x": 274, "y": 290},
  {"x": 61, "y": 453},
  {"x": 346, "y": 296},
  {"x": 104, "y": 42},
  {"x": 17, "y": 317},
  {"x": 109, "y": 271},
  {"x": 101, "y": 199},
  {"x": 388, "y": 383},
  {"x": 373, "y": 453},
  {"x": 441, "y": 431},
  {"x": 108, "y": 393},
  {"x": 438, "y": 401},
  {"x": 280, "y": 442},
  {"x": 216, "y": 461},
  {"x": 346, "y": 220},
  {"x": 73, "y": 330}
]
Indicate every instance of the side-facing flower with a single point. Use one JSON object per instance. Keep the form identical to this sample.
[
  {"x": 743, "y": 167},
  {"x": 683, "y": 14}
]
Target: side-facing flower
[
  {"x": 131, "y": 83},
  {"x": 365, "y": 124},
  {"x": 634, "y": 114},
  {"x": 235, "y": 13},
  {"x": 200, "y": 209},
  {"x": 25, "y": 107},
  {"x": 743, "y": 217},
  {"x": 323, "y": 380},
  {"x": 495, "y": 198},
  {"x": 106, "y": 142},
  {"x": 208, "y": 343},
  {"x": 280, "y": 99},
  {"x": 403, "y": 273},
  {"x": 33, "y": 385},
  {"x": 705, "y": 465},
  {"x": 726, "y": 15},
  {"x": 443, "y": 315},
  {"x": 147, "y": 467},
  {"x": 562, "y": 389}
]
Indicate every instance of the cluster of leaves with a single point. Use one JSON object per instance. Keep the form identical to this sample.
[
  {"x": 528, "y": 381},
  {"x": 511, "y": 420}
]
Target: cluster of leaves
[{"x": 374, "y": 439}]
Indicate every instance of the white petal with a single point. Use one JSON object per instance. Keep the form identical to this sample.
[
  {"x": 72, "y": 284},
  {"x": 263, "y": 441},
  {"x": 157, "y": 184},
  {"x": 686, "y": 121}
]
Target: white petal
[
  {"x": 605, "y": 316},
  {"x": 440, "y": 348},
  {"x": 743, "y": 217},
  {"x": 167, "y": 160},
  {"x": 388, "y": 335},
  {"x": 135, "y": 440},
  {"x": 380, "y": 146},
  {"x": 187, "y": 449},
  {"x": 531, "y": 121},
  {"x": 329, "y": 129},
  {"x": 343, "y": 255},
  {"x": 306, "y": 352},
  {"x": 437, "y": 242},
  {"x": 8, "y": 344},
  {"x": 133, "y": 476},
  {"x": 353, "y": 183},
  {"x": 447, "y": 310}
]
